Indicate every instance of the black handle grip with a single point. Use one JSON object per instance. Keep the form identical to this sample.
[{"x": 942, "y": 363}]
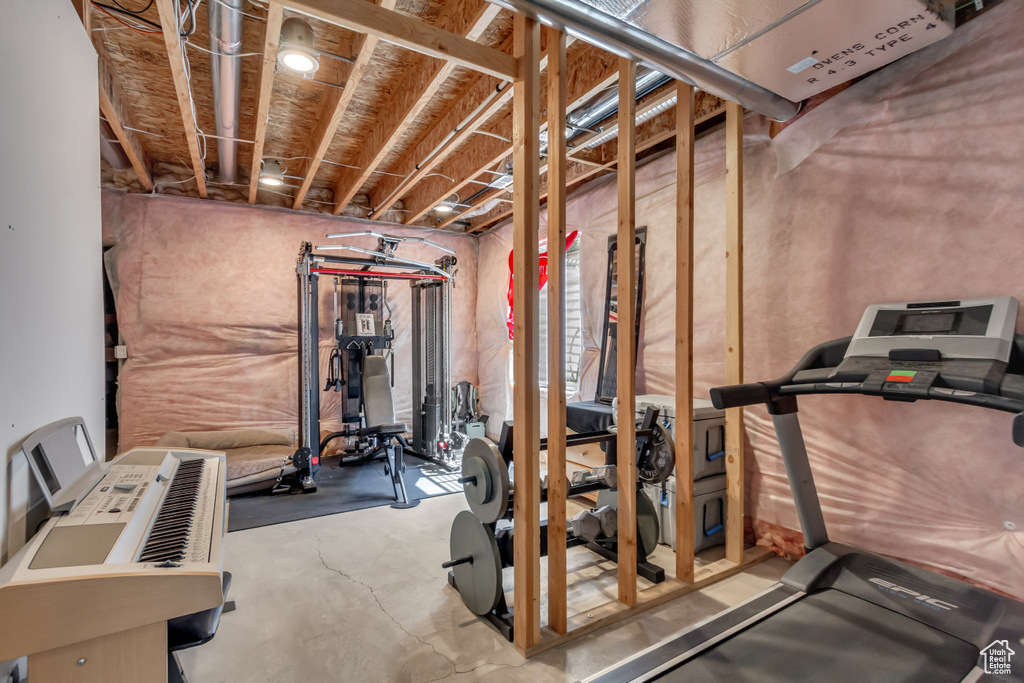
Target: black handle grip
[
  {"x": 739, "y": 395},
  {"x": 453, "y": 563}
]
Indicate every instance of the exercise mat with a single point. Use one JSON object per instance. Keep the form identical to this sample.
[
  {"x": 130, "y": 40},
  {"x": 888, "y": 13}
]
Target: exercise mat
[{"x": 341, "y": 489}]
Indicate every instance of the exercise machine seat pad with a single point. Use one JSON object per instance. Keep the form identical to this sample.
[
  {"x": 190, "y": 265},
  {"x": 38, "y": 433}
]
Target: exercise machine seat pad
[
  {"x": 589, "y": 416},
  {"x": 192, "y": 630},
  {"x": 377, "y": 398},
  {"x": 385, "y": 430}
]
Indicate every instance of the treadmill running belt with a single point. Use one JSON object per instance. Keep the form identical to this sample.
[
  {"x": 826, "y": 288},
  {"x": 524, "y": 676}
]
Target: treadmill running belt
[{"x": 835, "y": 637}]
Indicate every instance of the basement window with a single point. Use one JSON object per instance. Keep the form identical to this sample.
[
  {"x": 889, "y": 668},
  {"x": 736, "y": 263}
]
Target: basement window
[{"x": 573, "y": 324}]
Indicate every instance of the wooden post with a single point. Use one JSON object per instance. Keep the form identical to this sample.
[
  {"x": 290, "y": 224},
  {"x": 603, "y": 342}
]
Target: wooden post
[
  {"x": 557, "y": 608},
  {"x": 734, "y": 327},
  {"x": 625, "y": 362},
  {"x": 684, "y": 331},
  {"x": 525, "y": 233}
]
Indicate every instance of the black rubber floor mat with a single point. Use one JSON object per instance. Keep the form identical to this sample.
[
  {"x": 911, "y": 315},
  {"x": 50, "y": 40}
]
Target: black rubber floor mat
[{"x": 341, "y": 489}]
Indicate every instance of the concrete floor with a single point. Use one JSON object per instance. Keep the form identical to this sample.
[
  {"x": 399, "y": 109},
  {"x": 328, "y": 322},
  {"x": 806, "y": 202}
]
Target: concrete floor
[{"x": 361, "y": 596}]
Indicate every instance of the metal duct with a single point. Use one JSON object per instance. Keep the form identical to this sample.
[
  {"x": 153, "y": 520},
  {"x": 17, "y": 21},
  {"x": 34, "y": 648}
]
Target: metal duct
[
  {"x": 628, "y": 41},
  {"x": 225, "y": 18}
]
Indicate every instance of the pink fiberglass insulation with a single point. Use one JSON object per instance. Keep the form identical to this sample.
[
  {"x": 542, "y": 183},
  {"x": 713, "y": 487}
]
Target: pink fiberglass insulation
[
  {"x": 207, "y": 306},
  {"x": 907, "y": 186}
]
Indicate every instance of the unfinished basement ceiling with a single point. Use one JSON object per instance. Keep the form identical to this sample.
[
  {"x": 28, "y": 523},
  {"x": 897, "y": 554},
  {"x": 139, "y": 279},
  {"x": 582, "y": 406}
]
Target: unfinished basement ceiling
[{"x": 392, "y": 159}]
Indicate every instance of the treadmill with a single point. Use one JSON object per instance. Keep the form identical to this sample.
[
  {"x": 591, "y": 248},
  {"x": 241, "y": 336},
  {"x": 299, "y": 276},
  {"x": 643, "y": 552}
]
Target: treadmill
[{"x": 842, "y": 614}]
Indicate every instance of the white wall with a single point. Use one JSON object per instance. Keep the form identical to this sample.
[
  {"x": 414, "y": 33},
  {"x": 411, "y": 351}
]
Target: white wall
[{"x": 51, "y": 297}]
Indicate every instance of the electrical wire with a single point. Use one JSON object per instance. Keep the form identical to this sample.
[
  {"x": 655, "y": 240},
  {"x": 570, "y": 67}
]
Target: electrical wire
[
  {"x": 335, "y": 163},
  {"x": 307, "y": 199},
  {"x": 137, "y": 130},
  {"x": 235, "y": 9},
  {"x": 134, "y": 11},
  {"x": 135, "y": 27},
  {"x": 221, "y": 54},
  {"x": 135, "y": 16},
  {"x": 173, "y": 182}
]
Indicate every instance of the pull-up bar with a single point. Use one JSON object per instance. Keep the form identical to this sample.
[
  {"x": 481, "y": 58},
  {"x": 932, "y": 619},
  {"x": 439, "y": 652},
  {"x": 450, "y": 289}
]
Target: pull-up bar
[{"x": 372, "y": 274}]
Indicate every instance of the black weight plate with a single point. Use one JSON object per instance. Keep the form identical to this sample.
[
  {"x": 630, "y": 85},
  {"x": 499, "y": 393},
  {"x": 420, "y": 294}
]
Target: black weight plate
[{"x": 479, "y": 581}]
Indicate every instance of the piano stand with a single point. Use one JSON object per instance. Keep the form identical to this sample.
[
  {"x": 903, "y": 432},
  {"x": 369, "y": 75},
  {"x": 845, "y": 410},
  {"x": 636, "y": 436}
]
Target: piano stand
[
  {"x": 138, "y": 654},
  {"x": 193, "y": 630}
]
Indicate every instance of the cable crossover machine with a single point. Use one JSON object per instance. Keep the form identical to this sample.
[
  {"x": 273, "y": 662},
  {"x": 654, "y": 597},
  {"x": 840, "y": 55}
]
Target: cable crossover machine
[{"x": 361, "y": 361}]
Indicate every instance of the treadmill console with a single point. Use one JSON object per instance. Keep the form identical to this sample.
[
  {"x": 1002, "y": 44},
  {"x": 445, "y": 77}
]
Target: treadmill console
[
  {"x": 974, "y": 328},
  {"x": 901, "y": 351}
]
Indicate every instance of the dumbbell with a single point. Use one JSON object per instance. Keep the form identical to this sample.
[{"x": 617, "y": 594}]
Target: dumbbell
[
  {"x": 591, "y": 525},
  {"x": 605, "y": 474}
]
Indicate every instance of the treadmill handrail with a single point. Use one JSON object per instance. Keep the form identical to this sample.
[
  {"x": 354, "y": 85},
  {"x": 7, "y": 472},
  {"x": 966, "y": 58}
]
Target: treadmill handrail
[
  {"x": 739, "y": 395},
  {"x": 779, "y": 395}
]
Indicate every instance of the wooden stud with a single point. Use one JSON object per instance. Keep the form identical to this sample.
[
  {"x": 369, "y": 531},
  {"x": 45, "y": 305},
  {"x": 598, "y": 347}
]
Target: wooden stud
[
  {"x": 602, "y": 616},
  {"x": 684, "y": 331},
  {"x": 271, "y": 40},
  {"x": 172, "y": 41},
  {"x": 556, "y": 332},
  {"x": 625, "y": 340},
  {"x": 410, "y": 33},
  {"x": 334, "y": 110},
  {"x": 114, "y": 107},
  {"x": 407, "y": 102},
  {"x": 734, "y": 327},
  {"x": 526, "y": 271}
]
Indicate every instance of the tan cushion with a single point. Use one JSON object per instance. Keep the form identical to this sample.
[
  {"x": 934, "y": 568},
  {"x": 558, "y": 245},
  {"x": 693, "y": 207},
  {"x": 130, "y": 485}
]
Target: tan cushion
[
  {"x": 266, "y": 461},
  {"x": 173, "y": 440},
  {"x": 227, "y": 439}
]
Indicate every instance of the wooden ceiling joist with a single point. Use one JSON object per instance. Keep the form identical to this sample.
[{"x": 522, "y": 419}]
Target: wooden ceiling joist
[
  {"x": 479, "y": 104},
  {"x": 483, "y": 100},
  {"x": 114, "y": 108},
  {"x": 593, "y": 70},
  {"x": 114, "y": 105},
  {"x": 650, "y": 133},
  {"x": 172, "y": 41},
  {"x": 336, "y": 106},
  {"x": 271, "y": 40},
  {"x": 410, "y": 33},
  {"x": 469, "y": 18}
]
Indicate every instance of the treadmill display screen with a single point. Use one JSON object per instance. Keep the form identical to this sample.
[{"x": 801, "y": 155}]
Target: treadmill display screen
[
  {"x": 918, "y": 323},
  {"x": 971, "y": 321}
]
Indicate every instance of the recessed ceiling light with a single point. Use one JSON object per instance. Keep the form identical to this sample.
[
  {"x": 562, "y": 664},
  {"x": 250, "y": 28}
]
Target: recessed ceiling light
[
  {"x": 443, "y": 208},
  {"x": 272, "y": 173},
  {"x": 297, "y": 51}
]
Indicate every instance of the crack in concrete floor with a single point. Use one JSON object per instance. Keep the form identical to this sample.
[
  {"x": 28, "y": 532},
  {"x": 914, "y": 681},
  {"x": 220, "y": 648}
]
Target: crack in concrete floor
[{"x": 455, "y": 669}]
